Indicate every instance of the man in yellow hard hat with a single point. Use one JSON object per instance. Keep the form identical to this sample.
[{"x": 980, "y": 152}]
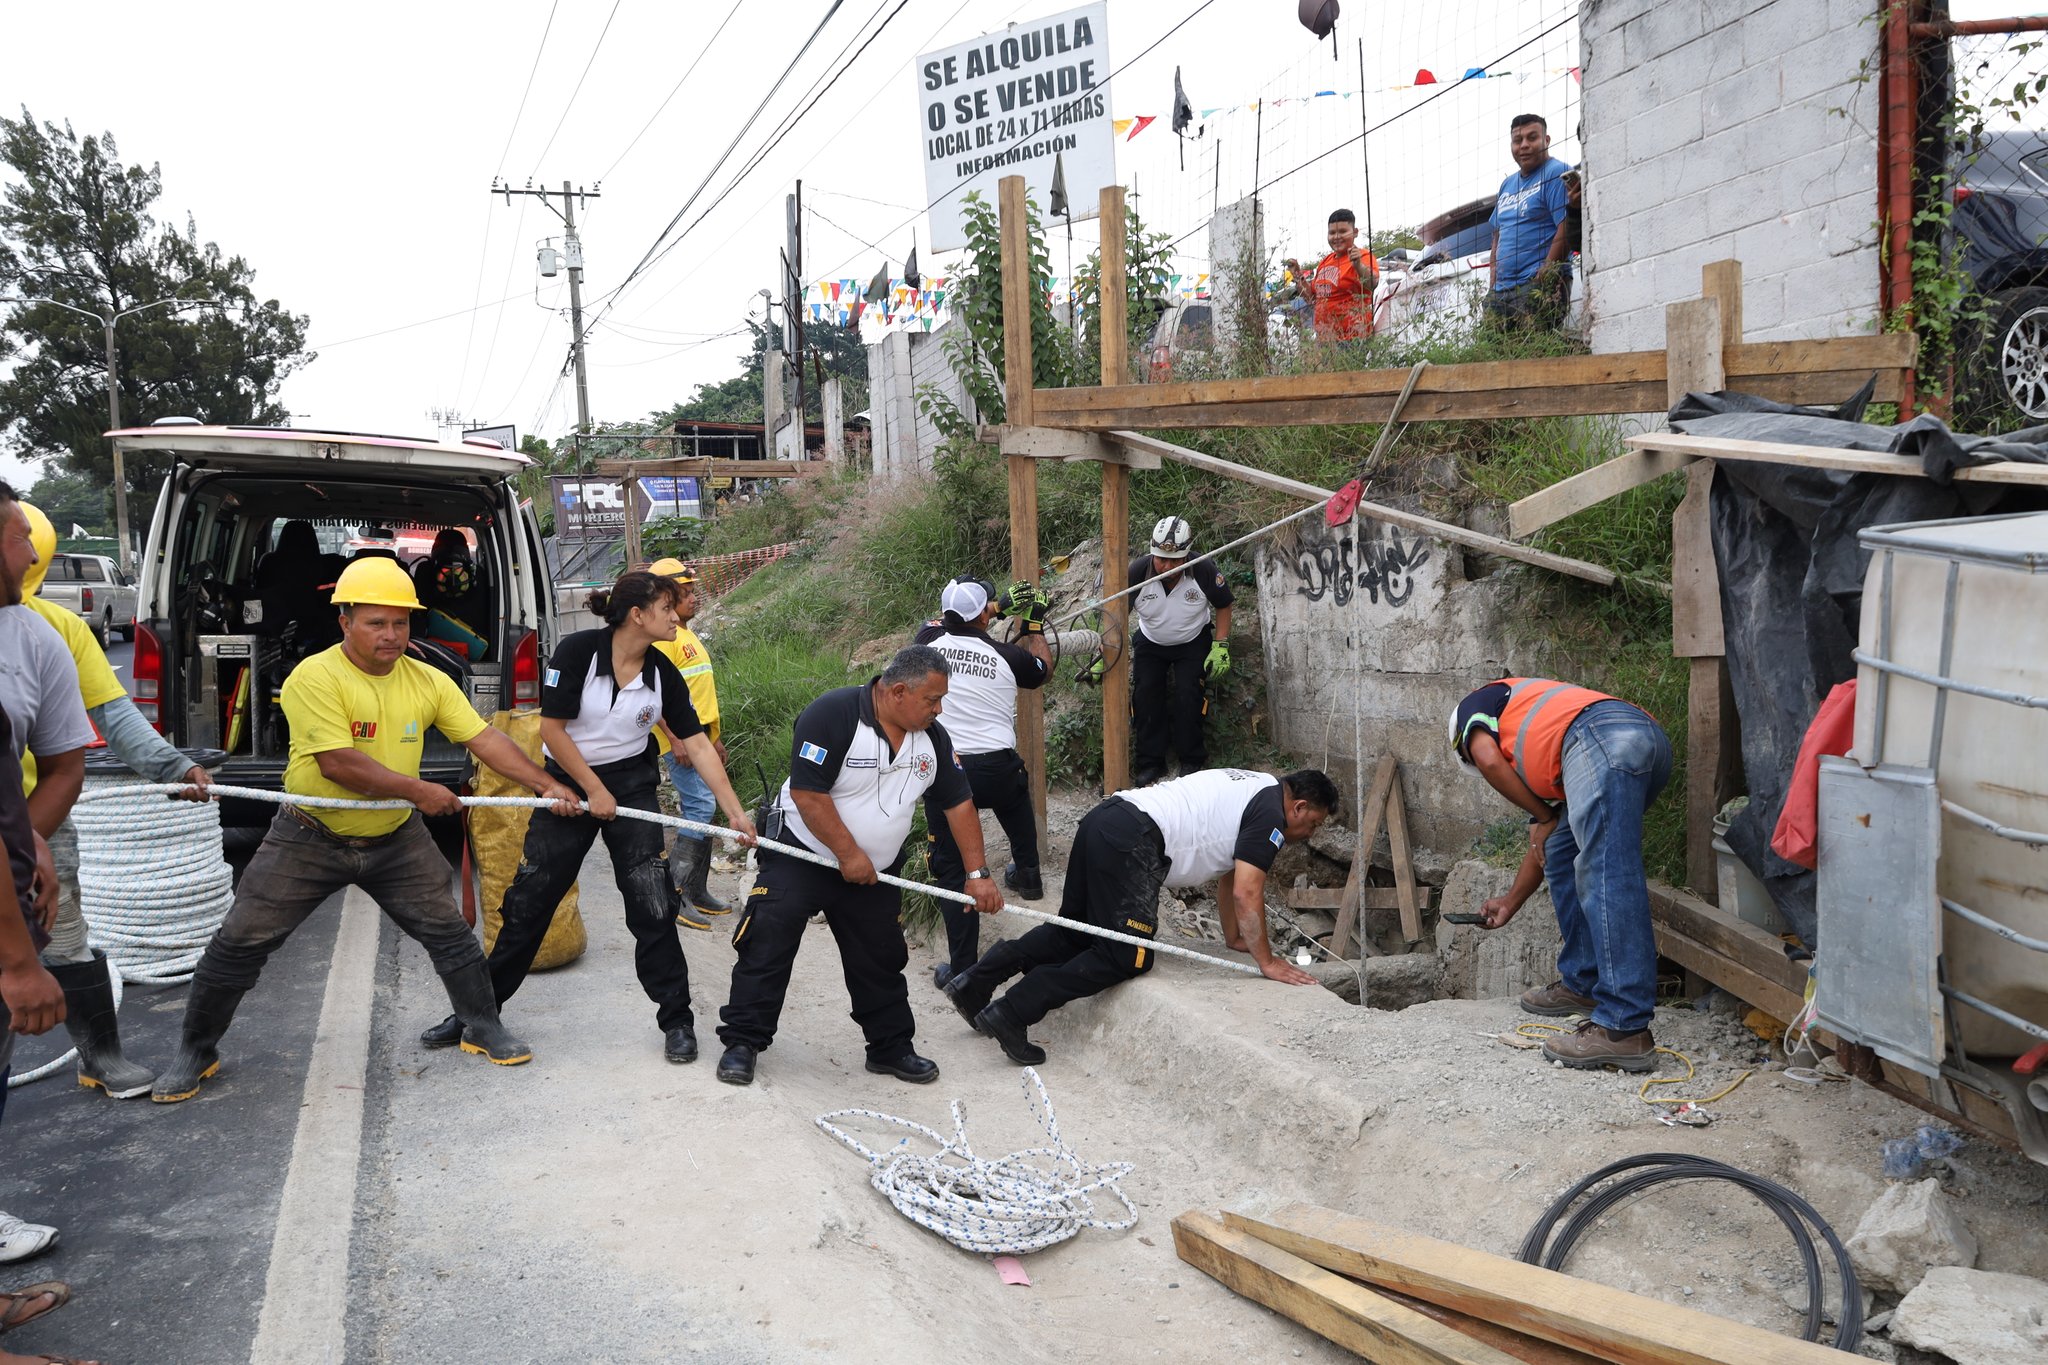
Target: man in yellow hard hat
[
  {"x": 358, "y": 713},
  {"x": 80, "y": 969},
  {"x": 689, "y": 859}
]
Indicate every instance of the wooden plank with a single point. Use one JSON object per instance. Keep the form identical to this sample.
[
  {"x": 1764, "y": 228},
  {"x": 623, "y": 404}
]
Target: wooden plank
[
  {"x": 1355, "y": 1317},
  {"x": 1334, "y": 897},
  {"x": 1368, "y": 835},
  {"x": 1491, "y": 404},
  {"x": 1721, "y": 281},
  {"x": 1594, "y": 1318},
  {"x": 1017, "y": 398},
  {"x": 1050, "y": 443},
  {"x": 1696, "y": 630},
  {"x": 1693, "y": 361},
  {"x": 1823, "y": 457},
  {"x": 1404, "y": 865},
  {"x": 1392, "y": 516},
  {"x": 1527, "y": 1349},
  {"x": 1631, "y": 469},
  {"x": 1116, "y": 501},
  {"x": 687, "y": 467},
  {"x": 1756, "y": 950}
]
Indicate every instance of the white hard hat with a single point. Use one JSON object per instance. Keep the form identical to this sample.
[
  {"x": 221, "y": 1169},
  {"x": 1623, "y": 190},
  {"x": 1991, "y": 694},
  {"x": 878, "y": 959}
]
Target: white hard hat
[{"x": 1171, "y": 538}]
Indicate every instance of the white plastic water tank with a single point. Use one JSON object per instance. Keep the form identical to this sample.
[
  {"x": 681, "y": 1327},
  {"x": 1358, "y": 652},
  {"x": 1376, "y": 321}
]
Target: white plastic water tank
[{"x": 1967, "y": 600}]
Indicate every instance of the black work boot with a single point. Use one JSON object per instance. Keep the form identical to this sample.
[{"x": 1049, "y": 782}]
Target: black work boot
[
  {"x": 998, "y": 1023},
  {"x": 89, "y": 1017},
  {"x": 968, "y": 995},
  {"x": 679, "y": 1044},
  {"x": 697, "y": 892},
  {"x": 736, "y": 1067},
  {"x": 1025, "y": 881},
  {"x": 208, "y": 1012},
  {"x": 447, "y": 1033},
  {"x": 476, "y": 1005}
]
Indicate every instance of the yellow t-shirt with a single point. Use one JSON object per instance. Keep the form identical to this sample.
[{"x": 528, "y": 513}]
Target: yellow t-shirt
[
  {"x": 331, "y": 704},
  {"x": 97, "y": 684},
  {"x": 687, "y": 653}
]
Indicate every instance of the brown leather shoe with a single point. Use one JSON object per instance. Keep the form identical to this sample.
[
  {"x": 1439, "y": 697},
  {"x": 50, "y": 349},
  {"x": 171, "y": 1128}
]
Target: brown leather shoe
[
  {"x": 1556, "y": 1001},
  {"x": 1590, "y": 1046}
]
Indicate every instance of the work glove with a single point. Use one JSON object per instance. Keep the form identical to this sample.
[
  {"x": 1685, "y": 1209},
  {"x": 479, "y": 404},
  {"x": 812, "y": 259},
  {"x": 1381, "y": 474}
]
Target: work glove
[
  {"x": 1218, "y": 662},
  {"x": 1092, "y": 675}
]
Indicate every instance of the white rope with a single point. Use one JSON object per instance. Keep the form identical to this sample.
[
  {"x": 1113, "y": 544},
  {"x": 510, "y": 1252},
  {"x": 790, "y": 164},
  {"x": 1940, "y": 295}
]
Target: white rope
[
  {"x": 1024, "y": 1202},
  {"x": 674, "y": 822},
  {"x": 152, "y": 891}
]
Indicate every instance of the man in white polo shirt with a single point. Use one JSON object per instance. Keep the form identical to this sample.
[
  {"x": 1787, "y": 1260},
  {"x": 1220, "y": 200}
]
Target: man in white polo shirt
[
  {"x": 981, "y": 718},
  {"x": 1225, "y": 824},
  {"x": 1182, "y": 640},
  {"x": 863, "y": 757}
]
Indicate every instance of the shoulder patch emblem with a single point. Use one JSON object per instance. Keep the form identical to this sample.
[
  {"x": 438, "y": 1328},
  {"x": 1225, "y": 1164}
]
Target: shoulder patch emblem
[
  {"x": 1277, "y": 838},
  {"x": 814, "y": 753},
  {"x": 554, "y": 677}
]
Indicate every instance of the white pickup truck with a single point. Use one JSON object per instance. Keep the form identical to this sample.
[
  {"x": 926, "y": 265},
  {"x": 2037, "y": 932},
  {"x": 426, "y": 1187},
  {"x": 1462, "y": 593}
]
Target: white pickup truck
[{"x": 95, "y": 588}]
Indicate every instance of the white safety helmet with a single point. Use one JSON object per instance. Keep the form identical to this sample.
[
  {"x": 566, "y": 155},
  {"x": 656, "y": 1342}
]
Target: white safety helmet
[{"x": 1171, "y": 538}]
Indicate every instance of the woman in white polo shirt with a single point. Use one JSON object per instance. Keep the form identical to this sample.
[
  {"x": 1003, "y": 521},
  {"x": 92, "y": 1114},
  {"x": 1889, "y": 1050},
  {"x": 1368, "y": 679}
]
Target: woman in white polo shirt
[{"x": 596, "y": 730}]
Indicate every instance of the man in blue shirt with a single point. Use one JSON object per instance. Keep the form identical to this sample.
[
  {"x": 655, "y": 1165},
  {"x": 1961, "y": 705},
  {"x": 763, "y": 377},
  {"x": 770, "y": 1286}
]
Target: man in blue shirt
[{"x": 1529, "y": 279}]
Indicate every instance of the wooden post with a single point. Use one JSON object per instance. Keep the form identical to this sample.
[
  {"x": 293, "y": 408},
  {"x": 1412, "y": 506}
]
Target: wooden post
[
  {"x": 635, "y": 557},
  {"x": 1116, "y": 507},
  {"x": 1017, "y": 286},
  {"x": 835, "y": 422},
  {"x": 1697, "y": 333}
]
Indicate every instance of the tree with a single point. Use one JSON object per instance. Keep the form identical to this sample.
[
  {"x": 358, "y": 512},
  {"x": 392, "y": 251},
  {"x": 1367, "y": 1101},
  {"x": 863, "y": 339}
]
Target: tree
[
  {"x": 78, "y": 229},
  {"x": 837, "y": 351},
  {"x": 69, "y": 498}
]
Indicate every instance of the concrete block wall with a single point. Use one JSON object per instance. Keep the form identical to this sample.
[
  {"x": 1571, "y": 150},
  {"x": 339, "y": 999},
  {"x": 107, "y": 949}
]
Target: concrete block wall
[
  {"x": 1719, "y": 128},
  {"x": 901, "y": 363}
]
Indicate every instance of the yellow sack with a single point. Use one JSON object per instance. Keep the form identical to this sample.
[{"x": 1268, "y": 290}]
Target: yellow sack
[{"x": 498, "y": 833}]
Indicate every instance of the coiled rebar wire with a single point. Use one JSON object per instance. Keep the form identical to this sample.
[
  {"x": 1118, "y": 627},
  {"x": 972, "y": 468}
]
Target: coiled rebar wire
[
  {"x": 1024, "y": 1202},
  {"x": 1656, "y": 1168},
  {"x": 136, "y": 790}
]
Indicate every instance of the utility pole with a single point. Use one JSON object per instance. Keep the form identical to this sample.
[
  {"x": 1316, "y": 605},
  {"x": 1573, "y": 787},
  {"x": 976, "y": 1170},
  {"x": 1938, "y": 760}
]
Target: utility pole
[{"x": 573, "y": 258}]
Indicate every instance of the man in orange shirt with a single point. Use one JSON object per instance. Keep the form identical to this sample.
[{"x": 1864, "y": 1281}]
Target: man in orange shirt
[
  {"x": 1585, "y": 767},
  {"x": 1342, "y": 283}
]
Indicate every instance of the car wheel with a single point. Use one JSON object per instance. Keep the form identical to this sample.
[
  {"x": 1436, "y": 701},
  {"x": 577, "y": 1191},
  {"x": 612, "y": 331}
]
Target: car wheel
[
  {"x": 103, "y": 630},
  {"x": 2016, "y": 362},
  {"x": 128, "y": 632}
]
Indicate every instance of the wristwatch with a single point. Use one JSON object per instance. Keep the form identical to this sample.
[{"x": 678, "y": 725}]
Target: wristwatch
[{"x": 980, "y": 873}]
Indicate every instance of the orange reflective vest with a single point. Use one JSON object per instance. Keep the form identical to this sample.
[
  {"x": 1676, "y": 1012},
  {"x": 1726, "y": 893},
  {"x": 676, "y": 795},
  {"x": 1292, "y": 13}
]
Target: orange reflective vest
[{"x": 1532, "y": 727}]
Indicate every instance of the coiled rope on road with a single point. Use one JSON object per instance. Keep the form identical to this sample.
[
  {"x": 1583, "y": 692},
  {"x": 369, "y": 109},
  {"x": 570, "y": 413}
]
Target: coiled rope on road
[
  {"x": 131, "y": 792},
  {"x": 1023, "y": 1202},
  {"x": 152, "y": 895}
]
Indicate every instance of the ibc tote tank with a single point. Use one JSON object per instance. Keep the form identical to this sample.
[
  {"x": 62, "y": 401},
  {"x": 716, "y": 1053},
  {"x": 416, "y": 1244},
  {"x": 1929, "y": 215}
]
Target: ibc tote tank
[{"x": 1967, "y": 601}]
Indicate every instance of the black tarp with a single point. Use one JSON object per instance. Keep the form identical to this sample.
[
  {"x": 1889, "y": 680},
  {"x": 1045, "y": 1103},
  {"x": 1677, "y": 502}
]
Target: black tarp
[{"x": 1791, "y": 573}]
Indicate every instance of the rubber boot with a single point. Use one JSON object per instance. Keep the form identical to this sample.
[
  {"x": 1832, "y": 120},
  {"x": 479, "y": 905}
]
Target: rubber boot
[
  {"x": 476, "y": 1004},
  {"x": 682, "y": 861},
  {"x": 89, "y": 1017},
  {"x": 447, "y": 1033},
  {"x": 698, "y": 892},
  {"x": 208, "y": 1012}
]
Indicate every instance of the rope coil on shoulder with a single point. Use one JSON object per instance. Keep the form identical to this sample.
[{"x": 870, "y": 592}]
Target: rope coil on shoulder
[{"x": 1012, "y": 1205}]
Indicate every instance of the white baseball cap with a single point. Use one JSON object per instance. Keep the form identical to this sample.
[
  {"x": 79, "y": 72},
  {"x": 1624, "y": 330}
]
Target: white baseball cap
[{"x": 966, "y": 598}]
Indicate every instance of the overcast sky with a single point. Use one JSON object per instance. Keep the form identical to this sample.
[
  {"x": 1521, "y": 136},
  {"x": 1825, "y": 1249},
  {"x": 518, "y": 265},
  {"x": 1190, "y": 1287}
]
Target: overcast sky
[{"x": 347, "y": 152}]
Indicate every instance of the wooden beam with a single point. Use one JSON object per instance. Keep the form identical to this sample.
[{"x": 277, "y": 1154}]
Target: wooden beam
[
  {"x": 1404, "y": 864},
  {"x": 1610, "y": 1323},
  {"x": 1392, "y": 516},
  {"x": 1116, "y": 499},
  {"x": 1524, "y": 1348},
  {"x": 1334, "y": 898},
  {"x": 1824, "y": 457},
  {"x": 1340, "y": 1310},
  {"x": 1018, "y": 285},
  {"x": 1722, "y": 282},
  {"x": 687, "y": 467},
  {"x": 1693, "y": 348},
  {"x": 1383, "y": 779},
  {"x": 1060, "y": 443},
  {"x": 1632, "y": 469}
]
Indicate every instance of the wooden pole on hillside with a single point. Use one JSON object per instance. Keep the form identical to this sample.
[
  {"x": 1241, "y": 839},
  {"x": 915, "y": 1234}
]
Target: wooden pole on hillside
[
  {"x": 1697, "y": 334},
  {"x": 1116, "y": 507},
  {"x": 1017, "y": 286}
]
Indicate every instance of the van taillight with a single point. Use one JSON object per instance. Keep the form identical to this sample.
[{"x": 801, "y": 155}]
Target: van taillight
[
  {"x": 526, "y": 671},
  {"x": 85, "y": 600},
  {"x": 148, "y": 673}
]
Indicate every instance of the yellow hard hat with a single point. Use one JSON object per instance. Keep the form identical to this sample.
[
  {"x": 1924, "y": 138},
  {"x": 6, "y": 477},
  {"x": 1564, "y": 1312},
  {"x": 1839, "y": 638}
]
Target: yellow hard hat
[
  {"x": 672, "y": 568},
  {"x": 43, "y": 536},
  {"x": 375, "y": 582}
]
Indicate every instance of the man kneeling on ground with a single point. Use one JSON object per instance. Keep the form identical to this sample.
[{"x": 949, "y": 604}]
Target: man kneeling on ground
[{"x": 1224, "y": 823}]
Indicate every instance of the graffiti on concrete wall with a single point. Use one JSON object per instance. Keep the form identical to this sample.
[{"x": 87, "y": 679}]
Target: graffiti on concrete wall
[{"x": 1368, "y": 558}]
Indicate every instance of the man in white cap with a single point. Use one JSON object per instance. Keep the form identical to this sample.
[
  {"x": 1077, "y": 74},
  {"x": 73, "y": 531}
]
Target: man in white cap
[
  {"x": 981, "y": 718},
  {"x": 1182, "y": 639}
]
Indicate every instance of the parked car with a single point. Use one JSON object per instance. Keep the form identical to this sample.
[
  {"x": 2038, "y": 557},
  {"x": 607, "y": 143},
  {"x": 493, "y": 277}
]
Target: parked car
[
  {"x": 95, "y": 588},
  {"x": 251, "y": 529},
  {"x": 2001, "y": 224},
  {"x": 1186, "y": 328},
  {"x": 1436, "y": 292}
]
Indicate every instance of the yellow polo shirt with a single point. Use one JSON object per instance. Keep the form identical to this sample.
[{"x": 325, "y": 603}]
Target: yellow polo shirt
[
  {"x": 331, "y": 704},
  {"x": 97, "y": 684},
  {"x": 687, "y": 653}
]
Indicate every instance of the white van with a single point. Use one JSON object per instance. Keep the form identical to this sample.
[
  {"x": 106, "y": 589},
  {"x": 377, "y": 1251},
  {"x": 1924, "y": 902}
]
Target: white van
[{"x": 251, "y": 529}]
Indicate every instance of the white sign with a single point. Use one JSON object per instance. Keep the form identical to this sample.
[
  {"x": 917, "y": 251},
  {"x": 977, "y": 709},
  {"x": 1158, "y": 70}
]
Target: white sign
[{"x": 1011, "y": 103}]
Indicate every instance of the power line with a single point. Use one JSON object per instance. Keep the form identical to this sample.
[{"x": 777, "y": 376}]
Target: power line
[
  {"x": 579, "y": 86},
  {"x": 491, "y": 351},
  {"x": 672, "y": 92},
  {"x": 530, "y": 73},
  {"x": 408, "y": 326}
]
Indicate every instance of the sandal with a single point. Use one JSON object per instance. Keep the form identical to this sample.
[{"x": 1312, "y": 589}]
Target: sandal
[
  {"x": 65, "y": 1360},
  {"x": 12, "y": 1304}
]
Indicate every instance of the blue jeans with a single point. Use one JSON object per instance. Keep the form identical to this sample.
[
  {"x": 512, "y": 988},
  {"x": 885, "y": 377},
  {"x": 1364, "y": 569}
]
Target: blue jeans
[
  {"x": 693, "y": 794},
  {"x": 1616, "y": 760}
]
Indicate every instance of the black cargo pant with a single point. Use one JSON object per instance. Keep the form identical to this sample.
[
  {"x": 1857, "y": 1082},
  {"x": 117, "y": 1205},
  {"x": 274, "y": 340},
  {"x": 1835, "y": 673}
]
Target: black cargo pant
[
  {"x": 1002, "y": 787},
  {"x": 548, "y": 864},
  {"x": 1168, "y": 703},
  {"x": 1113, "y": 878},
  {"x": 865, "y": 921},
  {"x": 298, "y": 866}
]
